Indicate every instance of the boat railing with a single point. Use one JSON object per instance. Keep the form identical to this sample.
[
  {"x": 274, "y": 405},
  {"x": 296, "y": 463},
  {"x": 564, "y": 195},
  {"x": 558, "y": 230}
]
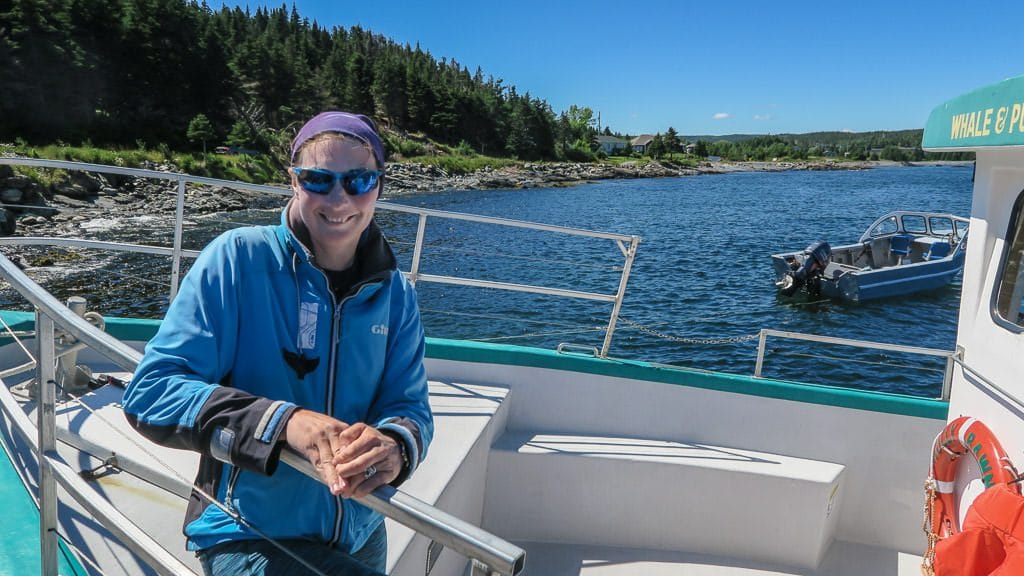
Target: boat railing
[
  {"x": 951, "y": 356},
  {"x": 626, "y": 244},
  {"x": 489, "y": 554},
  {"x": 986, "y": 381}
]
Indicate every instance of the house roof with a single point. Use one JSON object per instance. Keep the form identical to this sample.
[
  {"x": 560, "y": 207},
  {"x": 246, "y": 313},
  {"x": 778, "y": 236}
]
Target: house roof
[
  {"x": 602, "y": 139},
  {"x": 642, "y": 140}
]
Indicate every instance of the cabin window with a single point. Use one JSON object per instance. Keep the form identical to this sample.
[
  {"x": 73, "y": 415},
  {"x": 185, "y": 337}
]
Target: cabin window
[
  {"x": 940, "y": 226},
  {"x": 1010, "y": 296},
  {"x": 914, "y": 224},
  {"x": 961, "y": 229},
  {"x": 887, "y": 226}
]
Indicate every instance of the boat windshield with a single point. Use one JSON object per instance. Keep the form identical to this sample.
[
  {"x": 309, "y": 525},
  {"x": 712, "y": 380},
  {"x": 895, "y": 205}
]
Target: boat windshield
[{"x": 887, "y": 226}]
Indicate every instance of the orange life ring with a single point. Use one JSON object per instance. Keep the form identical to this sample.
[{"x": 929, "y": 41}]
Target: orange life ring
[{"x": 965, "y": 435}]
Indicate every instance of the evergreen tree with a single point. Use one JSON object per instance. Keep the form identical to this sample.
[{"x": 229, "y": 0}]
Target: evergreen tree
[
  {"x": 200, "y": 130},
  {"x": 671, "y": 140},
  {"x": 360, "y": 80},
  {"x": 40, "y": 56}
]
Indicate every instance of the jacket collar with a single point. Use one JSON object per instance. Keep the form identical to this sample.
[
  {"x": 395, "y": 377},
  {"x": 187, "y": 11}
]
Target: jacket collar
[{"x": 373, "y": 253}]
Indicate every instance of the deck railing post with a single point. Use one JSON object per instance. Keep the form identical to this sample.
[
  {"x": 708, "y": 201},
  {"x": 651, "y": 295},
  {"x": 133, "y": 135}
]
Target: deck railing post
[
  {"x": 620, "y": 294},
  {"x": 417, "y": 251},
  {"x": 761, "y": 340},
  {"x": 47, "y": 438},
  {"x": 179, "y": 218},
  {"x": 947, "y": 378}
]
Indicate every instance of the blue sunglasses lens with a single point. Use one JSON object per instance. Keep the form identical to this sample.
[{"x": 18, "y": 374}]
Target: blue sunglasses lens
[
  {"x": 359, "y": 183},
  {"x": 354, "y": 182},
  {"x": 315, "y": 181}
]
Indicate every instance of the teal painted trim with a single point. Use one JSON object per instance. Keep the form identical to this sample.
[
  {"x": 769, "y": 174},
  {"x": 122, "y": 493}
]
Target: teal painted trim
[
  {"x": 481, "y": 352},
  {"x": 129, "y": 329},
  {"x": 19, "y": 320},
  {"x": 987, "y": 117},
  {"x": 19, "y": 532},
  {"x": 132, "y": 329}
]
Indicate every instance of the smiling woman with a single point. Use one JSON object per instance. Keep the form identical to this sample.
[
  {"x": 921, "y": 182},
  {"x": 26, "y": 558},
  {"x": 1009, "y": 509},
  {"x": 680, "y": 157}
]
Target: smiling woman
[{"x": 319, "y": 348}]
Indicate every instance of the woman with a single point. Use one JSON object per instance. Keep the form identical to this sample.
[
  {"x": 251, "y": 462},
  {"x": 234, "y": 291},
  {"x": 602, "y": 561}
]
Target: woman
[{"x": 303, "y": 334}]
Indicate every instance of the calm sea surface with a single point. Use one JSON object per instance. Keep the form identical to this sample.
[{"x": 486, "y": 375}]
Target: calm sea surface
[{"x": 699, "y": 291}]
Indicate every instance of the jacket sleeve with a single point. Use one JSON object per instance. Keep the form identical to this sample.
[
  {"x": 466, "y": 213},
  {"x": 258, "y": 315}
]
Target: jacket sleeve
[
  {"x": 402, "y": 407},
  {"x": 177, "y": 396}
]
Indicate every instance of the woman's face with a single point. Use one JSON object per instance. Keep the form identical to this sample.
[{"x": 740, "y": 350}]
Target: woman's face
[{"x": 334, "y": 220}]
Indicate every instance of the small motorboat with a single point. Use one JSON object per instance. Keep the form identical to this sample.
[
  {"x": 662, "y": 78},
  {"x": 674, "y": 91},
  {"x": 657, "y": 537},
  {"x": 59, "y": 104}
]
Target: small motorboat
[{"x": 900, "y": 253}]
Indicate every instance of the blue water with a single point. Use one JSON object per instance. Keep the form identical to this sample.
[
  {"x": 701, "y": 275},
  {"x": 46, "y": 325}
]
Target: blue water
[{"x": 702, "y": 270}]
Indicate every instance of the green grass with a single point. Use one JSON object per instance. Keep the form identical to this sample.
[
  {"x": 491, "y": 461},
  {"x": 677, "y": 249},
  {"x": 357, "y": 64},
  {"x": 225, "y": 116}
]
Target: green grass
[
  {"x": 634, "y": 160},
  {"x": 458, "y": 165},
  {"x": 260, "y": 169}
]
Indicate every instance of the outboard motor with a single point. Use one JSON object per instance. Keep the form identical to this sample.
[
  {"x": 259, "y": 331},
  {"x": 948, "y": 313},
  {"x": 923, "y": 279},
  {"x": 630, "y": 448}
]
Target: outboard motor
[{"x": 816, "y": 258}]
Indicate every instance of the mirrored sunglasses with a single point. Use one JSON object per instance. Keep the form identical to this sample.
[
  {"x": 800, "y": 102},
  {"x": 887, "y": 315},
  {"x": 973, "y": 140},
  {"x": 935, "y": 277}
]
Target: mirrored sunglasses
[{"x": 354, "y": 182}]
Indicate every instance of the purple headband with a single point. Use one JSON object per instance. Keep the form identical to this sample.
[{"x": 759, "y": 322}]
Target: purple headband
[{"x": 355, "y": 125}]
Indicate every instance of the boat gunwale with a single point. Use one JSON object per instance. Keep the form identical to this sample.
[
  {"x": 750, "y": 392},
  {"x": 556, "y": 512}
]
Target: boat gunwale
[
  {"x": 841, "y": 397},
  {"x": 141, "y": 329}
]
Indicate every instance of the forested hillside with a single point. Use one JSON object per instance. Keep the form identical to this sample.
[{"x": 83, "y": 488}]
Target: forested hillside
[
  {"x": 898, "y": 145},
  {"x": 118, "y": 71}
]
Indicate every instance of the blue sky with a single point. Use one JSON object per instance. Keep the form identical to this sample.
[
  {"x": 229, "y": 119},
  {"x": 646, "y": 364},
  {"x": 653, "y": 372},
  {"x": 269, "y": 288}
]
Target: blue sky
[{"x": 713, "y": 67}]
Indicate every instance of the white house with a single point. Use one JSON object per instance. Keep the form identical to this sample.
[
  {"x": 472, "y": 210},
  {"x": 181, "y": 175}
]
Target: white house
[{"x": 611, "y": 144}]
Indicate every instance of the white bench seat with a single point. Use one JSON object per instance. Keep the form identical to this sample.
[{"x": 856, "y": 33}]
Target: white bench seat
[{"x": 597, "y": 491}]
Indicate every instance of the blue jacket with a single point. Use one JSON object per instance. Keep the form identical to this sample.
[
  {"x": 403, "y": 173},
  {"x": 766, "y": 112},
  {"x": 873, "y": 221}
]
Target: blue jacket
[{"x": 253, "y": 334}]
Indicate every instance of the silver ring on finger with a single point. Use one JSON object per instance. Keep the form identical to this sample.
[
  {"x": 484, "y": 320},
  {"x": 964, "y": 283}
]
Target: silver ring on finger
[{"x": 370, "y": 471}]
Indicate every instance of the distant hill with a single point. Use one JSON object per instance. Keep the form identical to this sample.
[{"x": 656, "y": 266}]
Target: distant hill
[{"x": 873, "y": 139}]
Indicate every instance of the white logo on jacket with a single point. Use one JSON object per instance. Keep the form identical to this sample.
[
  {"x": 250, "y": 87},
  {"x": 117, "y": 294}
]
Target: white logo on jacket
[
  {"x": 307, "y": 325},
  {"x": 381, "y": 329}
]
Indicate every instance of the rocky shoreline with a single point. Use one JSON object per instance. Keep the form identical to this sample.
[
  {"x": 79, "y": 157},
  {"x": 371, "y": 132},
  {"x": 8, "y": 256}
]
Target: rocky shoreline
[
  {"x": 418, "y": 178},
  {"x": 29, "y": 208}
]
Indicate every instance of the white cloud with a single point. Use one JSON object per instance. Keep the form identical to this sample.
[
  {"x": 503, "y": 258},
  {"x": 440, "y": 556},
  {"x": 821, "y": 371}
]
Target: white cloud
[
  {"x": 846, "y": 130},
  {"x": 721, "y": 116},
  {"x": 762, "y": 116}
]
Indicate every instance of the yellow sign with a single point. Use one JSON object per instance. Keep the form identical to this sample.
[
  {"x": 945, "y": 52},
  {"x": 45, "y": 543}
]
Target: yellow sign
[{"x": 988, "y": 121}]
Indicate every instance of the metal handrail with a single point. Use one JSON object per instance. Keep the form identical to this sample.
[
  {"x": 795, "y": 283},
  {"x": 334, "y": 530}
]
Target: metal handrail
[
  {"x": 97, "y": 244},
  {"x": 987, "y": 381},
  {"x": 951, "y": 356},
  {"x": 498, "y": 555},
  {"x": 627, "y": 244}
]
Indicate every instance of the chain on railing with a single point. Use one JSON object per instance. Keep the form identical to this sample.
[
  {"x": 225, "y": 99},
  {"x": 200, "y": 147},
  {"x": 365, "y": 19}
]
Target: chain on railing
[{"x": 688, "y": 340}]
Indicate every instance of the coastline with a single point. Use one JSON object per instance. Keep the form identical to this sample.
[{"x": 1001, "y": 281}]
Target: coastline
[
  {"x": 405, "y": 178},
  {"x": 29, "y": 208}
]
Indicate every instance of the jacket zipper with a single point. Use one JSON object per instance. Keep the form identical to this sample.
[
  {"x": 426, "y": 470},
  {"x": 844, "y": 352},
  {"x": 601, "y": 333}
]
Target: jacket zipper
[
  {"x": 332, "y": 372},
  {"x": 332, "y": 358},
  {"x": 232, "y": 480}
]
